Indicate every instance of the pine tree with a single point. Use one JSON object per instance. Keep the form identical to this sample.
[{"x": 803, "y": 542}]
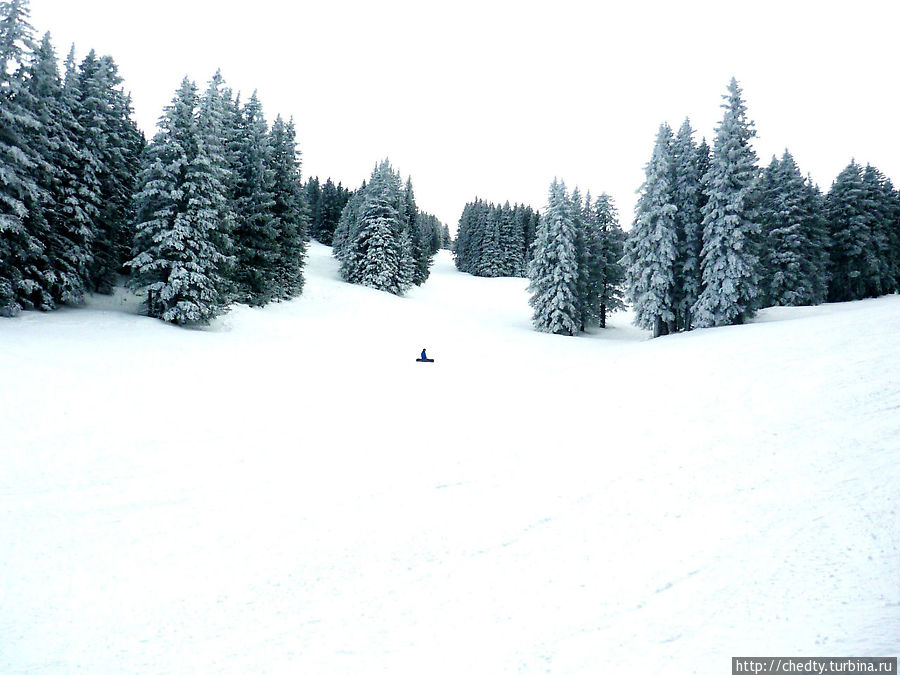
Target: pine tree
[
  {"x": 729, "y": 263},
  {"x": 611, "y": 273},
  {"x": 21, "y": 252},
  {"x": 816, "y": 256},
  {"x": 419, "y": 240},
  {"x": 877, "y": 204},
  {"x": 785, "y": 275},
  {"x": 69, "y": 216},
  {"x": 850, "y": 235},
  {"x": 553, "y": 272},
  {"x": 687, "y": 191},
  {"x": 328, "y": 212},
  {"x": 216, "y": 132},
  {"x": 112, "y": 147},
  {"x": 178, "y": 258},
  {"x": 651, "y": 250},
  {"x": 256, "y": 233},
  {"x": 585, "y": 253},
  {"x": 288, "y": 209},
  {"x": 314, "y": 206},
  {"x": 490, "y": 255},
  {"x": 60, "y": 227},
  {"x": 374, "y": 243}
]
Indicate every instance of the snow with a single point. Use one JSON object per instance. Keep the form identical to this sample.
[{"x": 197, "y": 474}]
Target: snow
[{"x": 289, "y": 491}]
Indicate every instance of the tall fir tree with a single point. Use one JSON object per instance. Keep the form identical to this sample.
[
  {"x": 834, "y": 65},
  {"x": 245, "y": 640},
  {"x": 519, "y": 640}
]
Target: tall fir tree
[
  {"x": 850, "y": 235},
  {"x": 289, "y": 209},
  {"x": 67, "y": 238},
  {"x": 256, "y": 232},
  {"x": 877, "y": 205},
  {"x": 178, "y": 247},
  {"x": 112, "y": 146},
  {"x": 687, "y": 192},
  {"x": 216, "y": 130},
  {"x": 651, "y": 249},
  {"x": 328, "y": 212},
  {"x": 374, "y": 243},
  {"x": 22, "y": 257},
  {"x": 729, "y": 262},
  {"x": 553, "y": 272},
  {"x": 792, "y": 255},
  {"x": 611, "y": 274}
]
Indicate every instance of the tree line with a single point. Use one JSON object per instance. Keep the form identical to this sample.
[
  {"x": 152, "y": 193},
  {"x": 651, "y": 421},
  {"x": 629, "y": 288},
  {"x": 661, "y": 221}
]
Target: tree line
[
  {"x": 69, "y": 153},
  {"x": 715, "y": 237},
  {"x": 212, "y": 211},
  {"x": 494, "y": 240},
  {"x": 326, "y": 203}
]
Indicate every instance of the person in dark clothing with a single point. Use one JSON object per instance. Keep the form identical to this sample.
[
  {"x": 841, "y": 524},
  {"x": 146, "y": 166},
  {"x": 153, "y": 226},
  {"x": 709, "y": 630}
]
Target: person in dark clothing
[{"x": 424, "y": 357}]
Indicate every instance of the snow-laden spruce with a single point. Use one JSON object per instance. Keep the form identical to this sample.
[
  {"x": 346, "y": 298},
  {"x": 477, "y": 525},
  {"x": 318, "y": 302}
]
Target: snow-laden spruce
[
  {"x": 651, "y": 249},
  {"x": 608, "y": 275},
  {"x": 794, "y": 251},
  {"x": 730, "y": 261},
  {"x": 21, "y": 251},
  {"x": 382, "y": 239},
  {"x": 553, "y": 272},
  {"x": 180, "y": 250},
  {"x": 863, "y": 214},
  {"x": 687, "y": 195}
]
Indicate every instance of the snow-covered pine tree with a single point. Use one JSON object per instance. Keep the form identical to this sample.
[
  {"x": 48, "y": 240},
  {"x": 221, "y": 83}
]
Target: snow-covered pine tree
[
  {"x": 313, "y": 192},
  {"x": 256, "y": 233},
  {"x": 434, "y": 230},
  {"x": 375, "y": 248},
  {"x": 784, "y": 276},
  {"x": 850, "y": 235},
  {"x": 328, "y": 212},
  {"x": 892, "y": 205},
  {"x": 880, "y": 266},
  {"x": 686, "y": 196},
  {"x": 112, "y": 146},
  {"x": 70, "y": 217},
  {"x": 178, "y": 259},
  {"x": 64, "y": 231},
  {"x": 512, "y": 242},
  {"x": 651, "y": 249},
  {"x": 584, "y": 253},
  {"x": 216, "y": 133},
  {"x": 289, "y": 209},
  {"x": 730, "y": 263},
  {"x": 589, "y": 252},
  {"x": 461, "y": 244},
  {"x": 446, "y": 239},
  {"x": 38, "y": 268},
  {"x": 611, "y": 277},
  {"x": 346, "y": 224},
  {"x": 491, "y": 256},
  {"x": 419, "y": 240},
  {"x": 21, "y": 252},
  {"x": 553, "y": 272}
]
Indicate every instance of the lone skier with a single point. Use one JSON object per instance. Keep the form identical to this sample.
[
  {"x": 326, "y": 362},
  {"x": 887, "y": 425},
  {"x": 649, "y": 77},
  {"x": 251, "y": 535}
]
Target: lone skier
[{"x": 424, "y": 357}]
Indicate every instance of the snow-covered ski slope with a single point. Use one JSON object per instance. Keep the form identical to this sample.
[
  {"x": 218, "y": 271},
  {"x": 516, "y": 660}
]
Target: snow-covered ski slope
[{"x": 290, "y": 492}]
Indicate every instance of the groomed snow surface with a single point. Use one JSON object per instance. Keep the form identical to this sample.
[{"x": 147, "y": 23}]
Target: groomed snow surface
[{"x": 288, "y": 491}]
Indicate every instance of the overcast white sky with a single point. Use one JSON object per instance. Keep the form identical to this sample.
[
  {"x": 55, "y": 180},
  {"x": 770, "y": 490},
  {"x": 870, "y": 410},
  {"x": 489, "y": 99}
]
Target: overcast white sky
[{"x": 494, "y": 99}]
